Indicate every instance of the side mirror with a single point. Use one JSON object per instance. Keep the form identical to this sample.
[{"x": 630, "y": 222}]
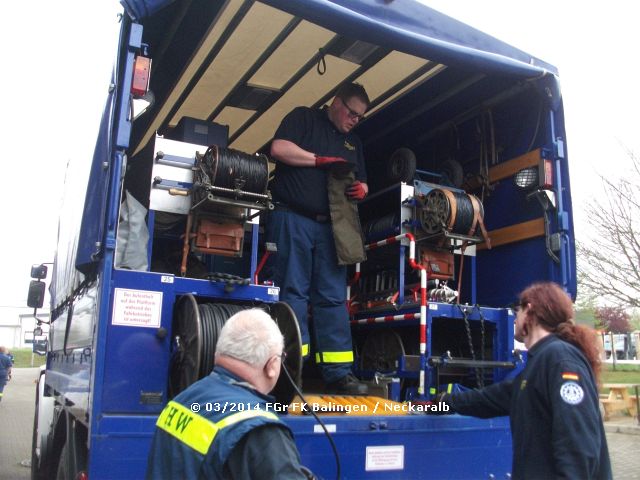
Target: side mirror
[
  {"x": 39, "y": 272},
  {"x": 40, "y": 346},
  {"x": 35, "y": 297}
]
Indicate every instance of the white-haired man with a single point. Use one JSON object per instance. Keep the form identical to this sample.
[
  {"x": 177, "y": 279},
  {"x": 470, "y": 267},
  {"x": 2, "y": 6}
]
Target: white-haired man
[{"x": 224, "y": 425}]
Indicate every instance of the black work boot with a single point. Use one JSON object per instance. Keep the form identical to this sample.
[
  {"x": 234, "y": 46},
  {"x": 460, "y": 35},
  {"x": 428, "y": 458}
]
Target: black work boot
[{"x": 347, "y": 385}]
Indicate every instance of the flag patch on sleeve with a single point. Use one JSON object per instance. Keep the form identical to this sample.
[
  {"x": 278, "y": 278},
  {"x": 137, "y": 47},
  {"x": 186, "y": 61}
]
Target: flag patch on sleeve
[{"x": 570, "y": 376}]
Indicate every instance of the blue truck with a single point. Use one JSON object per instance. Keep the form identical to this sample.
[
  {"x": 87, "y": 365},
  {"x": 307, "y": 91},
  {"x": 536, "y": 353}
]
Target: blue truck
[{"x": 469, "y": 203}]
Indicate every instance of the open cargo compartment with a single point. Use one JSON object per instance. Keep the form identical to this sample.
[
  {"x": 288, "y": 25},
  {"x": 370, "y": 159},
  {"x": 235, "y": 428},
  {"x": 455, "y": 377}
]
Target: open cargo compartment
[
  {"x": 472, "y": 117},
  {"x": 473, "y": 110}
]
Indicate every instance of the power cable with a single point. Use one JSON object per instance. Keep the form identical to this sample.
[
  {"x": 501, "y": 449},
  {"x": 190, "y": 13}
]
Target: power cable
[{"x": 324, "y": 428}]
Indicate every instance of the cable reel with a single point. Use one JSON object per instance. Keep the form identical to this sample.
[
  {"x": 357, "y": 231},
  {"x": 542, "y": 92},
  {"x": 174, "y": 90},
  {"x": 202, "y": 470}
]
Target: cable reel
[
  {"x": 195, "y": 332},
  {"x": 229, "y": 189},
  {"x": 381, "y": 352},
  {"x": 224, "y": 176},
  {"x": 449, "y": 212}
]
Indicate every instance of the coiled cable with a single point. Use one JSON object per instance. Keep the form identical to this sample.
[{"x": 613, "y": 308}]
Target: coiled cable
[{"x": 231, "y": 169}]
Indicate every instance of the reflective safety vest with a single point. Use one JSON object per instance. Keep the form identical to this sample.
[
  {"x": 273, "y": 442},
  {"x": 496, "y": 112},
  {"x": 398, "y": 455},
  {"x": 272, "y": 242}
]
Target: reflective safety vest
[{"x": 199, "y": 428}]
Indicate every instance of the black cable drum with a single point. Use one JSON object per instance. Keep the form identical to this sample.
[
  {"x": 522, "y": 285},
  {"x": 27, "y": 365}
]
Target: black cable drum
[
  {"x": 195, "y": 332},
  {"x": 232, "y": 170},
  {"x": 453, "y": 211},
  {"x": 196, "y": 328},
  {"x": 382, "y": 227},
  {"x": 213, "y": 317}
]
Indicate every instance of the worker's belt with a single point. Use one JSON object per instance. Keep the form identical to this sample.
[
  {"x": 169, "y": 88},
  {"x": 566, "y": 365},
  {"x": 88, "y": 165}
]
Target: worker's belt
[{"x": 313, "y": 216}]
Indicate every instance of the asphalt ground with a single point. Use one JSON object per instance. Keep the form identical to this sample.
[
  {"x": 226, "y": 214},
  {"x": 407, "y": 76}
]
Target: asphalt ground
[{"x": 16, "y": 424}]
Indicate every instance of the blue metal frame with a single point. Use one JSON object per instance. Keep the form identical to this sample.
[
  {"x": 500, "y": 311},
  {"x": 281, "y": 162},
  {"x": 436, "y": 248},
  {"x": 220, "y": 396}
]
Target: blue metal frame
[
  {"x": 503, "y": 340},
  {"x": 433, "y": 445}
]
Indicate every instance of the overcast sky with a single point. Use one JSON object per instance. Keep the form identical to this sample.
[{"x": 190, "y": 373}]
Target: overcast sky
[{"x": 57, "y": 58}]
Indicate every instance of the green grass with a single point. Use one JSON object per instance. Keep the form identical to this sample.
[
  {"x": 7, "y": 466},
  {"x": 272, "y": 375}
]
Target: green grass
[
  {"x": 622, "y": 367},
  {"x": 22, "y": 358},
  {"x": 622, "y": 374}
]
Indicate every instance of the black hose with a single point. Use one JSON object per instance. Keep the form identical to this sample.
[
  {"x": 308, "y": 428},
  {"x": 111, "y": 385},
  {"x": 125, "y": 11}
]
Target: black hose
[
  {"x": 464, "y": 213},
  {"x": 324, "y": 428},
  {"x": 213, "y": 317},
  {"x": 441, "y": 206},
  {"x": 383, "y": 227}
]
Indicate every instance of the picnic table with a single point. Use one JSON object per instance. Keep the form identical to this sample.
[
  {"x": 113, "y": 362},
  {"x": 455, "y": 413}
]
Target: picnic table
[{"x": 619, "y": 399}]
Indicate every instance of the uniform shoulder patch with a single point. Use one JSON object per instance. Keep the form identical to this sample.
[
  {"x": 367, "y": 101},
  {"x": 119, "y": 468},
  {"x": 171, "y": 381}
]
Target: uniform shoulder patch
[
  {"x": 570, "y": 376},
  {"x": 571, "y": 393}
]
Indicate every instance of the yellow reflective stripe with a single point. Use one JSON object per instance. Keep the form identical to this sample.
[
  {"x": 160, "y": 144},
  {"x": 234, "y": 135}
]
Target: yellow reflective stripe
[
  {"x": 187, "y": 426},
  {"x": 305, "y": 349},
  {"x": 334, "y": 357},
  {"x": 240, "y": 416},
  {"x": 449, "y": 387},
  {"x": 195, "y": 430}
]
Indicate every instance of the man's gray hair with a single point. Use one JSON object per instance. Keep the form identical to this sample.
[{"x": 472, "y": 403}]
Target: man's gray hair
[{"x": 251, "y": 336}]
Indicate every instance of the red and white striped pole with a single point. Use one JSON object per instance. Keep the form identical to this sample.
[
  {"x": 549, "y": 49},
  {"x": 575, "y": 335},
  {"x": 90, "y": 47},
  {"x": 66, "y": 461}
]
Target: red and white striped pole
[
  {"x": 423, "y": 299},
  {"x": 386, "y": 319},
  {"x": 353, "y": 281},
  {"x": 423, "y": 310}
]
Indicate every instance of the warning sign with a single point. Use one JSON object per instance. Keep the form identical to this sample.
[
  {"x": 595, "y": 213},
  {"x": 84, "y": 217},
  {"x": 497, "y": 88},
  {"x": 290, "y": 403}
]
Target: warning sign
[
  {"x": 136, "y": 308},
  {"x": 385, "y": 458}
]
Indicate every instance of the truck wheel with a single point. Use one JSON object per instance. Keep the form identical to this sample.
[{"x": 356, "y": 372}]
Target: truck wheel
[
  {"x": 62, "y": 473},
  {"x": 452, "y": 171},
  {"x": 72, "y": 461},
  {"x": 402, "y": 166},
  {"x": 40, "y": 465}
]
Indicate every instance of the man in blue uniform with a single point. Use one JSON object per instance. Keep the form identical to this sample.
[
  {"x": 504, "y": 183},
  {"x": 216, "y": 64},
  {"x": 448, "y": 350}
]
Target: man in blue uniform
[
  {"x": 553, "y": 404},
  {"x": 308, "y": 143},
  {"x": 5, "y": 369},
  {"x": 224, "y": 425}
]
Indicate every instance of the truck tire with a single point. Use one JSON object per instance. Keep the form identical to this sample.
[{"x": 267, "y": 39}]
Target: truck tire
[
  {"x": 452, "y": 171},
  {"x": 402, "y": 166},
  {"x": 73, "y": 456},
  {"x": 40, "y": 465},
  {"x": 62, "y": 471}
]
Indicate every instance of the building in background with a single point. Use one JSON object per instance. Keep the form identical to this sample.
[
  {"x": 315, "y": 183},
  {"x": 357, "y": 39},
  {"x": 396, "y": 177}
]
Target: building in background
[{"x": 16, "y": 328}]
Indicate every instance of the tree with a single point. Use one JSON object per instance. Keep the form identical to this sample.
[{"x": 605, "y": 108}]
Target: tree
[
  {"x": 635, "y": 320},
  {"x": 585, "y": 316},
  {"x": 613, "y": 319},
  {"x": 609, "y": 258}
]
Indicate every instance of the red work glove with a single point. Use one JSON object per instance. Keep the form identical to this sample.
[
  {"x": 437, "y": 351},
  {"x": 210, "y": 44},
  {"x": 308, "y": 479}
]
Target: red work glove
[
  {"x": 326, "y": 162},
  {"x": 357, "y": 190}
]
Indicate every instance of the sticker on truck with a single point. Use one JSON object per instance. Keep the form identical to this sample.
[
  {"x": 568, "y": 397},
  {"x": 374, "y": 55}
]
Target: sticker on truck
[
  {"x": 385, "y": 458},
  {"x": 136, "y": 308}
]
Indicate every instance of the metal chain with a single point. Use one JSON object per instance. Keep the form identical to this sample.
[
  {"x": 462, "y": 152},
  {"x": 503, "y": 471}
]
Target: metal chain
[
  {"x": 482, "y": 340},
  {"x": 229, "y": 280},
  {"x": 479, "y": 380}
]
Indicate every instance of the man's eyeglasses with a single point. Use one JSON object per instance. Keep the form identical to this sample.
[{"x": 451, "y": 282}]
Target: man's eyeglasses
[{"x": 352, "y": 113}]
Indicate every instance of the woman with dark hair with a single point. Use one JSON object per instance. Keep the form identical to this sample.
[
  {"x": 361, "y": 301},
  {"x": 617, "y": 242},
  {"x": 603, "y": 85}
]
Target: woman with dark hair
[{"x": 553, "y": 403}]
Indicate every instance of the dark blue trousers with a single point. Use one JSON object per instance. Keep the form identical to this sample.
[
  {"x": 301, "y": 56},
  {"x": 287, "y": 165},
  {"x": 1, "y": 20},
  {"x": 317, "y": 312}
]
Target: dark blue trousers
[
  {"x": 3, "y": 382},
  {"x": 306, "y": 270}
]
